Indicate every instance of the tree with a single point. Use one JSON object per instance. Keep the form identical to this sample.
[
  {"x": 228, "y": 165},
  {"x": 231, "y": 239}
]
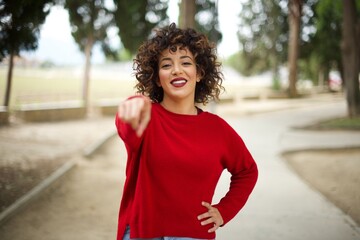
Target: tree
[
  {"x": 295, "y": 12},
  {"x": 328, "y": 36},
  {"x": 187, "y": 14},
  {"x": 351, "y": 56},
  {"x": 90, "y": 20},
  {"x": 136, "y": 18},
  {"x": 206, "y": 19},
  {"x": 263, "y": 36},
  {"x": 324, "y": 33},
  {"x": 20, "y": 30},
  {"x": 201, "y": 15}
]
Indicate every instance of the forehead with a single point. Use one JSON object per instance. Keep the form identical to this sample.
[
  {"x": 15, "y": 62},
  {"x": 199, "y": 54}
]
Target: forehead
[{"x": 171, "y": 51}]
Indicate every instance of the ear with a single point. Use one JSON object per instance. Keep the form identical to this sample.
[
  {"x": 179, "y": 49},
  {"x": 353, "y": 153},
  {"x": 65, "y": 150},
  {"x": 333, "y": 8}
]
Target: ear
[
  {"x": 199, "y": 77},
  {"x": 200, "y": 74}
]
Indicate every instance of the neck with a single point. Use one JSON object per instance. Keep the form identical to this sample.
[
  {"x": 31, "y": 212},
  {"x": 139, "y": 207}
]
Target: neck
[{"x": 180, "y": 107}]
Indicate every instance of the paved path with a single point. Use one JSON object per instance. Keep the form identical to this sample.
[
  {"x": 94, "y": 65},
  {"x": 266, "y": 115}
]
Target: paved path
[
  {"x": 282, "y": 205},
  {"x": 84, "y": 204}
]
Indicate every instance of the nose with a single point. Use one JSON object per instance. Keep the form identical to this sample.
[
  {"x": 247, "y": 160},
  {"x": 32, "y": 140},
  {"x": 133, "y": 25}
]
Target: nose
[{"x": 176, "y": 69}]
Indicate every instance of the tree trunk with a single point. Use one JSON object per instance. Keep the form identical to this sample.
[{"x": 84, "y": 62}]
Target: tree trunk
[
  {"x": 295, "y": 8},
  {"x": 9, "y": 81},
  {"x": 341, "y": 70},
  {"x": 351, "y": 58},
  {"x": 275, "y": 73},
  {"x": 326, "y": 77},
  {"x": 86, "y": 80},
  {"x": 358, "y": 36},
  {"x": 187, "y": 14}
]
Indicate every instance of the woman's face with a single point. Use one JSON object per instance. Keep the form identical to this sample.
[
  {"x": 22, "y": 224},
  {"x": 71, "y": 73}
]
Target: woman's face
[{"x": 177, "y": 74}]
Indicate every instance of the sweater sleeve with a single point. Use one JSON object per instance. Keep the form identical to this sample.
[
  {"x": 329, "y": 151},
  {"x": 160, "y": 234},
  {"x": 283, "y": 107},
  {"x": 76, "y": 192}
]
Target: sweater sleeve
[{"x": 244, "y": 173}]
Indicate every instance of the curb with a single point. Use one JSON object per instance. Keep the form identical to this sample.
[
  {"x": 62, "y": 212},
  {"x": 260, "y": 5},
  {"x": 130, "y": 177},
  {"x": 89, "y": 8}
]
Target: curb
[
  {"x": 346, "y": 216},
  {"x": 91, "y": 150},
  {"x": 19, "y": 204},
  {"x": 35, "y": 192}
]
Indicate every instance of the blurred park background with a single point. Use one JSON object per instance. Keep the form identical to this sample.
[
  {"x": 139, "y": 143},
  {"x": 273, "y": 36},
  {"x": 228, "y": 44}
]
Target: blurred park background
[
  {"x": 72, "y": 60},
  {"x": 56, "y": 51}
]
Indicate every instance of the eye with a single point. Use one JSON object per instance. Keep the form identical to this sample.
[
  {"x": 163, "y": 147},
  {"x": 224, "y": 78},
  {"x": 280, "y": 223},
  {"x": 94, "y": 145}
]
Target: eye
[
  {"x": 166, "y": 65},
  {"x": 187, "y": 63}
]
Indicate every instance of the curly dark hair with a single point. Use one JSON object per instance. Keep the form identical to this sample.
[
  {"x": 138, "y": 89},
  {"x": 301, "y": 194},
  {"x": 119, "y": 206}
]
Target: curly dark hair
[{"x": 146, "y": 63}]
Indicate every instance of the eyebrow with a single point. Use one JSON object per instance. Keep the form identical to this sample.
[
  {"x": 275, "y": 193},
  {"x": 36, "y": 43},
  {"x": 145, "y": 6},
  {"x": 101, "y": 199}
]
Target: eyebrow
[{"x": 169, "y": 59}]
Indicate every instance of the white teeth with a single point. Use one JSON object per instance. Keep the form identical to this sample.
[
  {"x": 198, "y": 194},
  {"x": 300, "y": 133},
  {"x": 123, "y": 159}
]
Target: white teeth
[{"x": 178, "y": 82}]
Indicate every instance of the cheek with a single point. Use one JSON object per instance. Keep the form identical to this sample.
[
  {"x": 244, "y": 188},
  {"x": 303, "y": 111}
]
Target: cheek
[{"x": 162, "y": 77}]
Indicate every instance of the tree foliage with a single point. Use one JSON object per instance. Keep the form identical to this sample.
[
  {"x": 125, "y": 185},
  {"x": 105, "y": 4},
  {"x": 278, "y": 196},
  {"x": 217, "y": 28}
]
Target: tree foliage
[
  {"x": 206, "y": 19},
  {"x": 90, "y": 20},
  {"x": 264, "y": 24},
  {"x": 201, "y": 15},
  {"x": 324, "y": 33},
  {"x": 263, "y": 35},
  {"x": 20, "y": 23},
  {"x": 136, "y": 18}
]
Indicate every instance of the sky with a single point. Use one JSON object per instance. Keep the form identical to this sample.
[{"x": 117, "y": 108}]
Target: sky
[{"x": 57, "y": 45}]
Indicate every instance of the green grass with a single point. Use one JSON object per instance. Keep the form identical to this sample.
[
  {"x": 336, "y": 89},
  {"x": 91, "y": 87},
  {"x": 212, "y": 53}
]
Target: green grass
[
  {"x": 36, "y": 85},
  {"x": 341, "y": 123}
]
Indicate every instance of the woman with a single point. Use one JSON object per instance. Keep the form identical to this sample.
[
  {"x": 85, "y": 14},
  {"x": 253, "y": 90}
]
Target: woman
[{"x": 176, "y": 151}]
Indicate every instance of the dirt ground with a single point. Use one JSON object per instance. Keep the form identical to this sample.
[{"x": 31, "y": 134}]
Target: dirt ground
[
  {"x": 30, "y": 152},
  {"x": 334, "y": 173},
  {"x": 83, "y": 204}
]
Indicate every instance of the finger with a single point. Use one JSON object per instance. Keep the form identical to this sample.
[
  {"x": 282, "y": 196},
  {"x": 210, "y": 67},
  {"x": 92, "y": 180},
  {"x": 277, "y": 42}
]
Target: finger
[
  {"x": 147, "y": 105},
  {"x": 134, "y": 113},
  {"x": 207, "y": 205},
  {"x": 212, "y": 216},
  {"x": 133, "y": 109},
  {"x": 124, "y": 111},
  {"x": 208, "y": 221},
  {"x": 142, "y": 126},
  {"x": 213, "y": 229},
  {"x": 211, "y": 221},
  {"x": 207, "y": 214},
  {"x": 204, "y": 215}
]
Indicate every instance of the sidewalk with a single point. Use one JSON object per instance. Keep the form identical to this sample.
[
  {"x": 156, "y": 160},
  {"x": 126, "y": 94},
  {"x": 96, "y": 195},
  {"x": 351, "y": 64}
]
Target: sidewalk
[
  {"x": 283, "y": 206},
  {"x": 84, "y": 204}
]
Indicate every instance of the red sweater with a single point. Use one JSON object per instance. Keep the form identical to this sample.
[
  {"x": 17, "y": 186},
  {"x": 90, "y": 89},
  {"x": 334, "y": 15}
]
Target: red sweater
[{"x": 174, "y": 166}]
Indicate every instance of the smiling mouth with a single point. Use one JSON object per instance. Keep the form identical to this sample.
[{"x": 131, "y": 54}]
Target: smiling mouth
[{"x": 178, "y": 82}]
